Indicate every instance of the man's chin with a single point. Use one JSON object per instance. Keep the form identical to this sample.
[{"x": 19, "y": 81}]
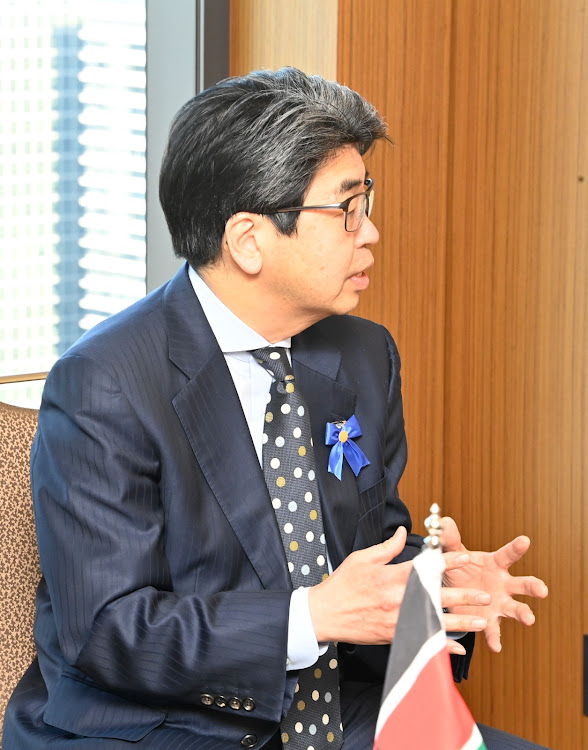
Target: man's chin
[{"x": 349, "y": 304}]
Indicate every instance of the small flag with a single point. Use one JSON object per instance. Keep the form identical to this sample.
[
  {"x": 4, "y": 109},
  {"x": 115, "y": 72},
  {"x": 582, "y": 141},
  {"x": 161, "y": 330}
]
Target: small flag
[{"x": 421, "y": 707}]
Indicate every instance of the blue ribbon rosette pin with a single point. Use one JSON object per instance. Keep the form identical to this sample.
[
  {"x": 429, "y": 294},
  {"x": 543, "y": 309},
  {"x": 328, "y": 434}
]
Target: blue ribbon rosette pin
[{"x": 339, "y": 435}]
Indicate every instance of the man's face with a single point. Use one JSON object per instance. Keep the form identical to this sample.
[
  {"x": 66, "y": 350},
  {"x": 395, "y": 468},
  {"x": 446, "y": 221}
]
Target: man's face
[{"x": 322, "y": 269}]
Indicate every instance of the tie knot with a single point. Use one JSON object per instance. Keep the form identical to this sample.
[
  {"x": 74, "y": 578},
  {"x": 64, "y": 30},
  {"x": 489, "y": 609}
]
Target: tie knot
[{"x": 275, "y": 360}]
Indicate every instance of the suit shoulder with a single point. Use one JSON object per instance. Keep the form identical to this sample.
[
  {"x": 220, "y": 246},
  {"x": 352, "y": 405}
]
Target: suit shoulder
[
  {"x": 362, "y": 341},
  {"x": 121, "y": 329},
  {"x": 350, "y": 330},
  {"x": 129, "y": 345}
]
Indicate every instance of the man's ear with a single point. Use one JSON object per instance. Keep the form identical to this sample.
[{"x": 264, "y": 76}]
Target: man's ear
[{"x": 242, "y": 241}]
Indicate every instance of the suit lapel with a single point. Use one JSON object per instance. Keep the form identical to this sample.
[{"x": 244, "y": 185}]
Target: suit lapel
[
  {"x": 316, "y": 364},
  {"x": 211, "y": 415}
]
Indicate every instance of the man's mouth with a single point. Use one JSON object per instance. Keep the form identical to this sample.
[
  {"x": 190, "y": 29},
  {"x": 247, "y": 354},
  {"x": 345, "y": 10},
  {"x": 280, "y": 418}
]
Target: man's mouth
[{"x": 360, "y": 280}]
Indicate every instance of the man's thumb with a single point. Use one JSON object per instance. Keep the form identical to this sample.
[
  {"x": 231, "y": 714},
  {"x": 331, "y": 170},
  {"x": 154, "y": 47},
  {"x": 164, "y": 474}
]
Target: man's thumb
[{"x": 391, "y": 548}]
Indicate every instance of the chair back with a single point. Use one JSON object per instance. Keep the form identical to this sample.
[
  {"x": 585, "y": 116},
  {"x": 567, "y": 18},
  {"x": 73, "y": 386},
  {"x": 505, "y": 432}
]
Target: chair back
[{"x": 19, "y": 557}]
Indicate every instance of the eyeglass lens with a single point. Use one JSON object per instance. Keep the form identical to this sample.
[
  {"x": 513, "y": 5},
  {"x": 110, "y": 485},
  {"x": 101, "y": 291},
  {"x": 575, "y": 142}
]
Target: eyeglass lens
[{"x": 358, "y": 208}]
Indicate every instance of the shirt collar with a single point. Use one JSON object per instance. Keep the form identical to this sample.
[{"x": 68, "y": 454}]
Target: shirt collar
[{"x": 232, "y": 334}]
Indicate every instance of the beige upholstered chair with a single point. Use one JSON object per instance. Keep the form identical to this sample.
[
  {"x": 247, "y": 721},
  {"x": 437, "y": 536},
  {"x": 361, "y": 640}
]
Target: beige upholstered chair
[{"x": 19, "y": 559}]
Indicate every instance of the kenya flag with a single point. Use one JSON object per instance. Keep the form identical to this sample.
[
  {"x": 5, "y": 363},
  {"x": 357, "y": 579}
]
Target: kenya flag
[{"x": 421, "y": 707}]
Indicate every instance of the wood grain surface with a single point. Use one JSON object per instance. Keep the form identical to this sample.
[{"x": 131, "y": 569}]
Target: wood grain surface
[
  {"x": 273, "y": 33},
  {"x": 516, "y": 338},
  {"x": 397, "y": 55}
]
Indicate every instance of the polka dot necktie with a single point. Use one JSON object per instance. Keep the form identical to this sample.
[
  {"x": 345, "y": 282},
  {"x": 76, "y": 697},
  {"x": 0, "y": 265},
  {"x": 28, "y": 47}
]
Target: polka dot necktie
[{"x": 314, "y": 720}]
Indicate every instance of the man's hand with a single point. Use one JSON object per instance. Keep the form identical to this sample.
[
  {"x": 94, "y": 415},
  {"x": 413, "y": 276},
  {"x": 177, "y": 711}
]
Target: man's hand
[
  {"x": 489, "y": 571},
  {"x": 360, "y": 601}
]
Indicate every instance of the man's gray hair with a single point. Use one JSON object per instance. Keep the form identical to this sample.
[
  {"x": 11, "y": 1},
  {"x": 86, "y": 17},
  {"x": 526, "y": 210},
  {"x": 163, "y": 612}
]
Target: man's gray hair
[{"x": 254, "y": 143}]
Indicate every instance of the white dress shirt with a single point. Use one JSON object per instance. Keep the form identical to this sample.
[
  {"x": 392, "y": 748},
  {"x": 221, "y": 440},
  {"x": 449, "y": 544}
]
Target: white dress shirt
[{"x": 252, "y": 383}]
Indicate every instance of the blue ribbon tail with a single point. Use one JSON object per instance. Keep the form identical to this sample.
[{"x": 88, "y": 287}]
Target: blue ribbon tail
[
  {"x": 336, "y": 460},
  {"x": 356, "y": 458}
]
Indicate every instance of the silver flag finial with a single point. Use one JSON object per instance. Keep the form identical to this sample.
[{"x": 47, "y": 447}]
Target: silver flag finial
[{"x": 434, "y": 528}]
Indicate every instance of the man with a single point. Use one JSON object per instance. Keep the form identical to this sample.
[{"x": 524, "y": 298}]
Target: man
[{"x": 188, "y": 507}]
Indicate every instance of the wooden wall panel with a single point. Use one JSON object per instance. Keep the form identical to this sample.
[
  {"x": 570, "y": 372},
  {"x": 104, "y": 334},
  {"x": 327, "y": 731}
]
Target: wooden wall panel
[
  {"x": 273, "y": 33},
  {"x": 516, "y": 324},
  {"x": 580, "y": 366},
  {"x": 397, "y": 55}
]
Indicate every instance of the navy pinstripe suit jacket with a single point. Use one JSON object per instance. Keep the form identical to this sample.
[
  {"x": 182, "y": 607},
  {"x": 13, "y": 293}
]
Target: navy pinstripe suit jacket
[{"x": 164, "y": 575}]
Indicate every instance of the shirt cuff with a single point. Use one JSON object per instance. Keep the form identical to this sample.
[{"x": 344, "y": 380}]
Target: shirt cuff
[{"x": 303, "y": 647}]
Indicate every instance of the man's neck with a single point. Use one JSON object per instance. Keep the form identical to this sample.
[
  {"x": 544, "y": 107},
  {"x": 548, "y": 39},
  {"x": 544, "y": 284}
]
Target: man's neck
[{"x": 245, "y": 298}]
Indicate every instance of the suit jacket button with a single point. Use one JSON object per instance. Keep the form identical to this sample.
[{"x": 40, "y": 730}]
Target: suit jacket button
[
  {"x": 248, "y": 704},
  {"x": 235, "y": 703},
  {"x": 206, "y": 699},
  {"x": 250, "y": 740},
  {"x": 220, "y": 701}
]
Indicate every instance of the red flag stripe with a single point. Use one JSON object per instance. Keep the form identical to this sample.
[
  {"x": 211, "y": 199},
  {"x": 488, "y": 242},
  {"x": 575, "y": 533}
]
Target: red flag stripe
[
  {"x": 432, "y": 646},
  {"x": 431, "y": 716}
]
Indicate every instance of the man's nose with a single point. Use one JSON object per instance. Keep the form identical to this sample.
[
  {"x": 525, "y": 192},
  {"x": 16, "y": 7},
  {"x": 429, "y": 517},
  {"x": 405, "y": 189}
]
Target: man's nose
[{"x": 367, "y": 233}]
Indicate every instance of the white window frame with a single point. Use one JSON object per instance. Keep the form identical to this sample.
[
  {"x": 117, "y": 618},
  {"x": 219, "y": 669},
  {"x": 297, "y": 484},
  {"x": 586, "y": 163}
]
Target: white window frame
[
  {"x": 187, "y": 51},
  {"x": 171, "y": 81}
]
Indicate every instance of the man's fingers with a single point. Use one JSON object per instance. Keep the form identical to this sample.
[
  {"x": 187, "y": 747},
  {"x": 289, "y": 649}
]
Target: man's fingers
[
  {"x": 451, "y": 535},
  {"x": 454, "y": 597},
  {"x": 528, "y": 586},
  {"x": 519, "y": 611},
  {"x": 455, "y": 647},
  {"x": 454, "y": 560},
  {"x": 493, "y": 637},
  {"x": 386, "y": 551},
  {"x": 512, "y": 552},
  {"x": 463, "y": 623}
]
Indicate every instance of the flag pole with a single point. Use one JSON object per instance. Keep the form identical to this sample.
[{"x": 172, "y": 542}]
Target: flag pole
[{"x": 421, "y": 707}]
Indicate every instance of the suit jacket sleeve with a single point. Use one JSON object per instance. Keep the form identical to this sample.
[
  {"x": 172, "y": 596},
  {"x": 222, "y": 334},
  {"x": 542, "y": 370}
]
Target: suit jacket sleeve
[{"x": 102, "y": 533}]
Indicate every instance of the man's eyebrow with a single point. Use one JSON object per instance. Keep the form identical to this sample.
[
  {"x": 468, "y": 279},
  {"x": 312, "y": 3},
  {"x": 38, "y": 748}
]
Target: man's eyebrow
[{"x": 351, "y": 184}]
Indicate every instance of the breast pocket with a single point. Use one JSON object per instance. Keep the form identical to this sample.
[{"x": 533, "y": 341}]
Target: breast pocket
[{"x": 372, "y": 504}]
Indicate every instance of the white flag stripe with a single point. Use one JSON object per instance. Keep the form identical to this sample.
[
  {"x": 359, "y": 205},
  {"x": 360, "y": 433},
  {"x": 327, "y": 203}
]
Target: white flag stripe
[
  {"x": 432, "y": 646},
  {"x": 475, "y": 741},
  {"x": 430, "y": 566}
]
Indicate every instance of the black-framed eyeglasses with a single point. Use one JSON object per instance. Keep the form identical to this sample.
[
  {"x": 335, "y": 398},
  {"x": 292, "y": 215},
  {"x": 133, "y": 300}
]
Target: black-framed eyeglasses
[{"x": 355, "y": 208}]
